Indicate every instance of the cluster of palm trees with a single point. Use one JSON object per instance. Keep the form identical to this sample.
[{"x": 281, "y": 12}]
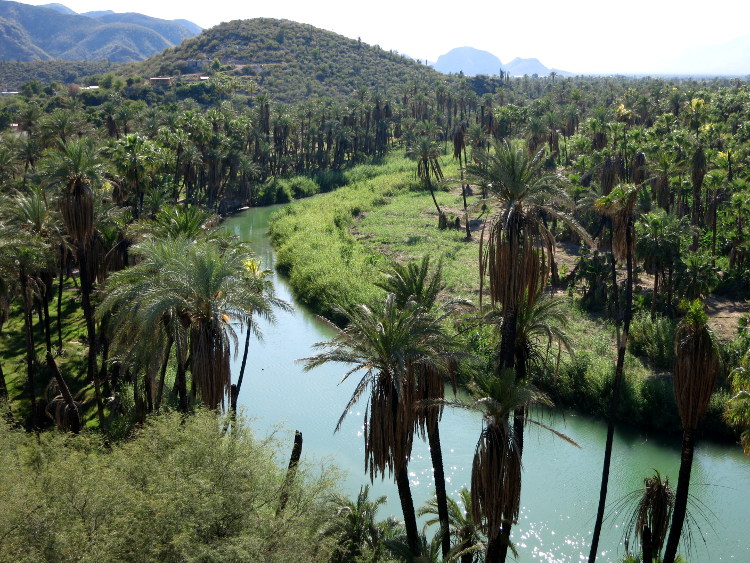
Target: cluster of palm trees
[
  {"x": 177, "y": 305},
  {"x": 405, "y": 354}
]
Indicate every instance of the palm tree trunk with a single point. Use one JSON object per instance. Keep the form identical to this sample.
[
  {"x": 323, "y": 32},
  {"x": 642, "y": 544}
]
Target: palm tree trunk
[
  {"x": 290, "y": 472},
  {"x": 163, "y": 374},
  {"x": 648, "y": 548},
  {"x": 615, "y": 398},
  {"x": 59, "y": 297},
  {"x": 681, "y": 496},
  {"x": 30, "y": 349},
  {"x": 436, "y": 453},
  {"x": 236, "y": 388},
  {"x": 655, "y": 295},
  {"x": 407, "y": 507},
  {"x": 75, "y": 424},
  {"x": 47, "y": 322},
  {"x": 88, "y": 313},
  {"x": 466, "y": 210}
]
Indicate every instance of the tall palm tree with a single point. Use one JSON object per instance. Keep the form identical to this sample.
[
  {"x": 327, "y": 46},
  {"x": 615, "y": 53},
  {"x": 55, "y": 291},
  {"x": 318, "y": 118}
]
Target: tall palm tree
[
  {"x": 496, "y": 468},
  {"x": 694, "y": 375},
  {"x": 414, "y": 282},
  {"x": 658, "y": 246},
  {"x": 427, "y": 154},
  {"x": 618, "y": 206},
  {"x": 77, "y": 169},
  {"x": 516, "y": 242},
  {"x": 387, "y": 343}
]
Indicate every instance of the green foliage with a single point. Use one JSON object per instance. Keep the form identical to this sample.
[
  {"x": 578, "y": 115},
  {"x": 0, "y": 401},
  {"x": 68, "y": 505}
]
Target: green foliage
[
  {"x": 329, "y": 65},
  {"x": 653, "y": 339},
  {"x": 179, "y": 490}
]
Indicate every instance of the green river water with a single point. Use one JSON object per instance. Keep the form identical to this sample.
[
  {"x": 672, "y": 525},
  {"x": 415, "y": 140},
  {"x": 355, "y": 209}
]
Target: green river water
[{"x": 560, "y": 482}]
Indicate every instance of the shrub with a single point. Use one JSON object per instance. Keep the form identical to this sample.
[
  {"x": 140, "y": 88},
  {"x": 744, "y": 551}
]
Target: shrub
[
  {"x": 653, "y": 339},
  {"x": 180, "y": 490}
]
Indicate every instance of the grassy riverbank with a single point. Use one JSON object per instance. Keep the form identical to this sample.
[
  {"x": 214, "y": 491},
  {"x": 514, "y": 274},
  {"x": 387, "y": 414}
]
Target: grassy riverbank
[{"x": 334, "y": 246}]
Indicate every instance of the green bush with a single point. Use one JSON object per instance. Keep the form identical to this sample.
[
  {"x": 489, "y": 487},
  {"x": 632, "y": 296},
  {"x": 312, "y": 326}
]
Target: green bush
[
  {"x": 653, "y": 339},
  {"x": 179, "y": 490}
]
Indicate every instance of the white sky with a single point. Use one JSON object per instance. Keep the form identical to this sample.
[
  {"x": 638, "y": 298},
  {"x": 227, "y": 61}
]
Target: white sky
[{"x": 582, "y": 36}]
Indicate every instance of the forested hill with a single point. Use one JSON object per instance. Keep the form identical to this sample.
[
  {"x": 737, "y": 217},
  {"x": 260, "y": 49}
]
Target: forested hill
[
  {"x": 35, "y": 33},
  {"x": 291, "y": 61}
]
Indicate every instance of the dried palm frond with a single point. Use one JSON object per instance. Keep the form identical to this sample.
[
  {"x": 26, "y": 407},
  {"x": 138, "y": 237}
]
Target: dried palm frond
[
  {"x": 638, "y": 166},
  {"x": 619, "y": 206},
  {"x": 77, "y": 209},
  {"x": 209, "y": 351},
  {"x": 696, "y": 366},
  {"x": 495, "y": 479},
  {"x": 650, "y": 519},
  {"x": 512, "y": 261},
  {"x": 388, "y": 427}
]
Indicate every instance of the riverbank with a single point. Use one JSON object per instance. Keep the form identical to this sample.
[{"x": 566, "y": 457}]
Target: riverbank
[{"x": 334, "y": 246}]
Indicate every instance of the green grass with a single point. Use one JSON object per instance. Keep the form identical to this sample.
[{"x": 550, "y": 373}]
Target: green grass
[{"x": 71, "y": 359}]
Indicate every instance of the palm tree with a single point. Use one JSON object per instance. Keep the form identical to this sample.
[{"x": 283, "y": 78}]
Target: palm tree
[
  {"x": 355, "y": 528},
  {"x": 387, "y": 343},
  {"x": 694, "y": 375},
  {"x": 515, "y": 245},
  {"x": 496, "y": 469},
  {"x": 193, "y": 289},
  {"x": 649, "y": 520},
  {"x": 134, "y": 157},
  {"x": 516, "y": 242},
  {"x": 459, "y": 153},
  {"x": 738, "y": 408},
  {"x": 23, "y": 256},
  {"x": 468, "y": 540},
  {"x": 77, "y": 168},
  {"x": 413, "y": 282},
  {"x": 658, "y": 246},
  {"x": 427, "y": 154},
  {"x": 618, "y": 206}
]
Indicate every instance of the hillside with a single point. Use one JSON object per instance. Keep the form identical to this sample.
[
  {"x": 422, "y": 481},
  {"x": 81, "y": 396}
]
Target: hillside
[
  {"x": 289, "y": 60},
  {"x": 34, "y": 33}
]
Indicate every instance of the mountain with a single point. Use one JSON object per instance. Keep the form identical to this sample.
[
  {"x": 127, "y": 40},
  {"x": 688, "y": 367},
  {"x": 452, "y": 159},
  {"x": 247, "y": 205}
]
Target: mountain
[
  {"x": 468, "y": 60},
  {"x": 59, "y": 8},
  {"x": 29, "y": 33},
  {"x": 290, "y": 61},
  {"x": 473, "y": 62}
]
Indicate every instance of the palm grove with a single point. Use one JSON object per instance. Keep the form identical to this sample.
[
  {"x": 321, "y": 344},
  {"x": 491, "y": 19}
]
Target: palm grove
[{"x": 122, "y": 299}]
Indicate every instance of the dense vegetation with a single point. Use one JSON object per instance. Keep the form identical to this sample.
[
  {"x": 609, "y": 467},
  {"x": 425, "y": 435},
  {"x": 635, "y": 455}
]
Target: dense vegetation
[
  {"x": 179, "y": 490},
  {"x": 293, "y": 62},
  {"x": 605, "y": 208},
  {"x": 14, "y": 74}
]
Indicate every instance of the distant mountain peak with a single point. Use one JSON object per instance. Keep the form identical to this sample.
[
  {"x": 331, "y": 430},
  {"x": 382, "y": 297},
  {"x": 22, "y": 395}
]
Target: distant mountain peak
[
  {"x": 59, "y": 8},
  {"x": 468, "y": 60},
  {"x": 473, "y": 61}
]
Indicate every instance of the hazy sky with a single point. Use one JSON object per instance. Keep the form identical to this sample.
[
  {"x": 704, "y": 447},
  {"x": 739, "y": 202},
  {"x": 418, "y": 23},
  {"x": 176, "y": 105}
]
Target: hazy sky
[{"x": 586, "y": 36}]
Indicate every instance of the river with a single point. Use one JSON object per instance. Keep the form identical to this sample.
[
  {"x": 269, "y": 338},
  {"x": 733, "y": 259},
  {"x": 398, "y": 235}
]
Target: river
[{"x": 560, "y": 482}]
